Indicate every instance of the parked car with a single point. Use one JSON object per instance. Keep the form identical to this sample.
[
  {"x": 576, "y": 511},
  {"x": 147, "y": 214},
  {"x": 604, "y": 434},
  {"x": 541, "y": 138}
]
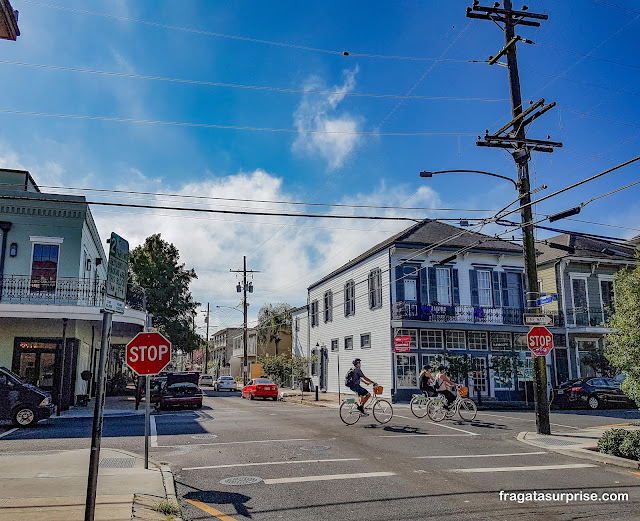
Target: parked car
[
  {"x": 260, "y": 388},
  {"x": 206, "y": 379},
  {"x": 22, "y": 403},
  {"x": 157, "y": 385},
  {"x": 180, "y": 390},
  {"x": 593, "y": 392},
  {"x": 225, "y": 382}
]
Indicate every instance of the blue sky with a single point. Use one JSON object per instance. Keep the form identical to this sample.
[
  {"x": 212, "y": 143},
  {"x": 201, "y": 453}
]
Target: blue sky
[{"x": 584, "y": 58}]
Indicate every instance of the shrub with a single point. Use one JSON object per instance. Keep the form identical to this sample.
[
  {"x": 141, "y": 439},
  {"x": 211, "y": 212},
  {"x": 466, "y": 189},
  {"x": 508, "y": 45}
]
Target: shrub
[
  {"x": 621, "y": 443},
  {"x": 167, "y": 507},
  {"x": 630, "y": 446}
]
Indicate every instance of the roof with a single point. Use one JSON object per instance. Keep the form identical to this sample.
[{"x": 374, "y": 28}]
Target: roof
[
  {"x": 585, "y": 247},
  {"x": 428, "y": 233}
]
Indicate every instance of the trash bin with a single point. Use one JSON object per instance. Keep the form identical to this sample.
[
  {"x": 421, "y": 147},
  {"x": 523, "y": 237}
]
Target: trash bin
[{"x": 307, "y": 385}]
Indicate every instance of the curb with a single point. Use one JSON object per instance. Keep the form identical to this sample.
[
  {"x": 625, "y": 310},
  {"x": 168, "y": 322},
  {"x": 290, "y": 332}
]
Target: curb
[{"x": 584, "y": 453}]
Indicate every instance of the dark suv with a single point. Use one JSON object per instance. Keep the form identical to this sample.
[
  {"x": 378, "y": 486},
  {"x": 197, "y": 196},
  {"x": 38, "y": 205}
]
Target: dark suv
[
  {"x": 22, "y": 403},
  {"x": 593, "y": 392}
]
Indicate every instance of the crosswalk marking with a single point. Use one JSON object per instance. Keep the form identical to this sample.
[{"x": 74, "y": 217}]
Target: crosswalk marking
[
  {"x": 482, "y": 455},
  {"x": 521, "y": 469},
  {"x": 469, "y": 433},
  {"x": 289, "y": 462},
  {"x": 327, "y": 477}
]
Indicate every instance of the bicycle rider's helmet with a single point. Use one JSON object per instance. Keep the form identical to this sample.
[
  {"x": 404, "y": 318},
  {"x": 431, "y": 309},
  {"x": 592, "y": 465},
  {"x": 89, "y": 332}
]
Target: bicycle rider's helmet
[
  {"x": 441, "y": 368},
  {"x": 426, "y": 368},
  {"x": 356, "y": 361}
]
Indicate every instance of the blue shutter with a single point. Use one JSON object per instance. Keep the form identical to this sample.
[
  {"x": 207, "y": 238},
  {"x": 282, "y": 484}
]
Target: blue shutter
[
  {"x": 523, "y": 291},
  {"x": 456, "y": 287},
  {"x": 424, "y": 288},
  {"x": 433, "y": 289},
  {"x": 496, "y": 289},
  {"x": 399, "y": 284},
  {"x": 505, "y": 289},
  {"x": 473, "y": 279}
]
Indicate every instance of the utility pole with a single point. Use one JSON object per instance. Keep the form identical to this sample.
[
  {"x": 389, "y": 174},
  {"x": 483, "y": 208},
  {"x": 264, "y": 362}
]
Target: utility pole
[
  {"x": 245, "y": 305},
  {"x": 520, "y": 147},
  {"x": 206, "y": 346}
]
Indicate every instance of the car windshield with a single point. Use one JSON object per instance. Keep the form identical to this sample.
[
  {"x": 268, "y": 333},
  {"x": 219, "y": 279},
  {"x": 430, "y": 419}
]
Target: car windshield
[{"x": 229, "y": 378}]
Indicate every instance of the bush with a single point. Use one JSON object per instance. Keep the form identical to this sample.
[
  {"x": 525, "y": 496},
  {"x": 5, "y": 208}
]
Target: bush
[{"x": 621, "y": 443}]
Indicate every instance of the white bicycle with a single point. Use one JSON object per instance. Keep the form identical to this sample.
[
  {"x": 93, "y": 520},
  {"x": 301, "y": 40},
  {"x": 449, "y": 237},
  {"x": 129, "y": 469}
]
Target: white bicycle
[
  {"x": 465, "y": 407},
  {"x": 381, "y": 408}
]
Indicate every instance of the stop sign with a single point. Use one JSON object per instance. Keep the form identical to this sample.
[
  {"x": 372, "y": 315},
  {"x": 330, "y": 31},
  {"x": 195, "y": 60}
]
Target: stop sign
[
  {"x": 148, "y": 353},
  {"x": 540, "y": 341}
]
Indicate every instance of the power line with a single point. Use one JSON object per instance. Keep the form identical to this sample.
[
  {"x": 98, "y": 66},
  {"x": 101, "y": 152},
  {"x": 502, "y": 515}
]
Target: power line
[
  {"x": 250, "y": 87},
  {"x": 234, "y": 127},
  {"x": 604, "y": 224}
]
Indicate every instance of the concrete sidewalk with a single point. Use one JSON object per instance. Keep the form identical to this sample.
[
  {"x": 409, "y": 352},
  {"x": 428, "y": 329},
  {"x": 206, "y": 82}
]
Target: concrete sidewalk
[
  {"x": 113, "y": 406},
  {"x": 580, "y": 444},
  {"x": 51, "y": 486}
]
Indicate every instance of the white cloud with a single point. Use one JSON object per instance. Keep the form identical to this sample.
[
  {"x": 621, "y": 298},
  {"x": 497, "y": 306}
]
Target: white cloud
[{"x": 319, "y": 112}]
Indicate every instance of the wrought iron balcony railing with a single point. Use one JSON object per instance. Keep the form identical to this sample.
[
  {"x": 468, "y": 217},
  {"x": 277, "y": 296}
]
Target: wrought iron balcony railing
[
  {"x": 465, "y": 314},
  {"x": 64, "y": 291},
  {"x": 587, "y": 317}
]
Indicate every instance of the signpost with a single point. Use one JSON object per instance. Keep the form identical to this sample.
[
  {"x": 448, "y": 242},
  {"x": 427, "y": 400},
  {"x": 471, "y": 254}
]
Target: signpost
[
  {"x": 117, "y": 271},
  {"x": 540, "y": 341},
  {"x": 402, "y": 344},
  {"x": 148, "y": 354},
  {"x": 537, "y": 320}
]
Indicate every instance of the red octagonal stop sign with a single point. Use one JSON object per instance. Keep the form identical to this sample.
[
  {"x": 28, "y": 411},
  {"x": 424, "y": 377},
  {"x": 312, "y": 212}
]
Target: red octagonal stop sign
[
  {"x": 148, "y": 353},
  {"x": 540, "y": 341}
]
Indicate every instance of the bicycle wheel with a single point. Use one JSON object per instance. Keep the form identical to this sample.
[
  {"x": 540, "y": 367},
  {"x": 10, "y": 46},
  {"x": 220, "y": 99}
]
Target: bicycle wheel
[
  {"x": 436, "y": 410},
  {"x": 419, "y": 406},
  {"x": 467, "y": 409},
  {"x": 382, "y": 411},
  {"x": 349, "y": 412}
]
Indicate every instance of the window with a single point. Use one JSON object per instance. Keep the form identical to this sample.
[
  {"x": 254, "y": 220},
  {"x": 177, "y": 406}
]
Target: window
[
  {"x": 406, "y": 370},
  {"x": 455, "y": 340},
  {"x": 434, "y": 361},
  {"x": 44, "y": 267},
  {"x": 348, "y": 342},
  {"x": 314, "y": 313},
  {"x": 606, "y": 293},
  {"x": 365, "y": 340},
  {"x": 328, "y": 306},
  {"x": 477, "y": 339},
  {"x": 297, "y": 323},
  {"x": 443, "y": 286},
  {"x": 502, "y": 381},
  {"x": 349, "y": 298},
  {"x": 413, "y": 333},
  {"x": 410, "y": 290},
  {"x": 579, "y": 289},
  {"x": 314, "y": 362},
  {"x": 485, "y": 292},
  {"x": 334, "y": 344},
  {"x": 500, "y": 341},
  {"x": 375, "y": 289},
  {"x": 480, "y": 375},
  {"x": 431, "y": 339}
]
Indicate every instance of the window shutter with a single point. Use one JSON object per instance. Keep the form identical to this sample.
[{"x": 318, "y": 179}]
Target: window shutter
[
  {"x": 379, "y": 287},
  {"x": 456, "y": 287},
  {"x": 346, "y": 299},
  {"x": 352, "y": 285},
  {"x": 424, "y": 287},
  {"x": 496, "y": 289},
  {"x": 330, "y": 306},
  {"x": 523, "y": 291},
  {"x": 433, "y": 288},
  {"x": 505, "y": 289},
  {"x": 473, "y": 279},
  {"x": 399, "y": 284},
  {"x": 370, "y": 294}
]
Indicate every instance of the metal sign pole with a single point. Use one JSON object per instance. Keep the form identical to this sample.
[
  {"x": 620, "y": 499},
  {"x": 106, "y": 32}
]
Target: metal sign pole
[
  {"x": 96, "y": 433},
  {"x": 147, "y": 420}
]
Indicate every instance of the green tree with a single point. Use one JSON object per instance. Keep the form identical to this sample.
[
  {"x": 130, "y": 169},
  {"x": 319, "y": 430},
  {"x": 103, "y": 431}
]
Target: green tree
[
  {"x": 459, "y": 367},
  {"x": 505, "y": 367},
  {"x": 154, "y": 266},
  {"x": 623, "y": 343},
  {"x": 273, "y": 320},
  {"x": 600, "y": 364}
]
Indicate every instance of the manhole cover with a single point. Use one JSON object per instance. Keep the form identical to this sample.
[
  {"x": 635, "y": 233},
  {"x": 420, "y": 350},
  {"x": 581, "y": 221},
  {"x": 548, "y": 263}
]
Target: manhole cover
[
  {"x": 316, "y": 447},
  {"x": 204, "y": 436},
  {"x": 241, "y": 480},
  {"x": 117, "y": 463}
]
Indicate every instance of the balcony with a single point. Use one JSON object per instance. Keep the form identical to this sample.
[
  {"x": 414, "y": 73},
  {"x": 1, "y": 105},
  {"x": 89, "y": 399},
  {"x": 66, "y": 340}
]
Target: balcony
[
  {"x": 457, "y": 314},
  {"x": 65, "y": 291},
  {"x": 587, "y": 317}
]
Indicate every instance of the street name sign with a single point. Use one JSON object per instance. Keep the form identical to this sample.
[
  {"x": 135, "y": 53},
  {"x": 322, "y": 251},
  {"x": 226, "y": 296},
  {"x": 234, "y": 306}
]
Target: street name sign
[
  {"x": 540, "y": 341},
  {"x": 117, "y": 272},
  {"x": 537, "y": 320},
  {"x": 546, "y": 299},
  {"x": 402, "y": 344},
  {"x": 148, "y": 353}
]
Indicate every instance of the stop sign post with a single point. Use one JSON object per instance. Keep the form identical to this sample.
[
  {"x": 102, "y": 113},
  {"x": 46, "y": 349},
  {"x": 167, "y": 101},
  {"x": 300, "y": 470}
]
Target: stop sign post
[
  {"x": 148, "y": 353},
  {"x": 540, "y": 341}
]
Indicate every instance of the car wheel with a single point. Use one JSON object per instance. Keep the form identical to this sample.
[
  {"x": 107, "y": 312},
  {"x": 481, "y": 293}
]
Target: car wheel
[
  {"x": 250, "y": 396},
  {"x": 24, "y": 417},
  {"x": 274, "y": 398},
  {"x": 594, "y": 402}
]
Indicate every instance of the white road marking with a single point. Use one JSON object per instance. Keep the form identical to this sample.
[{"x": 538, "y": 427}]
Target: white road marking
[
  {"x": 154, "y": 431},
  {"x": 269, "y": 463},
  {"x": 527, "y": 420},
  {"x": 8, "y": 432},
  {"x": 427, "y": 435},
  {"x": 440, "y": 425},
  {"x": 328, "y": 477},
  {"x": 481, "y": 455},
  {"x": 522, "y": 469},
  {"x": 238, "y": 442}
]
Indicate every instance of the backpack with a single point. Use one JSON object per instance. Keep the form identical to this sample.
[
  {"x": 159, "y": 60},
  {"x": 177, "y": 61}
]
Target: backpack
[{"x": 349, "y": 379}]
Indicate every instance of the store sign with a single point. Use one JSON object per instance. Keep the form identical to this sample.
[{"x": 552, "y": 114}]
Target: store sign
[{"x": 402, "y": 344}]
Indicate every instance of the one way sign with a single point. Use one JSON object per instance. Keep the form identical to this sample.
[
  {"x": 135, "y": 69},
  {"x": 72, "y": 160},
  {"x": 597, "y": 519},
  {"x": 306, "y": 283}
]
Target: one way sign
[{"x": 537, "y": 320}]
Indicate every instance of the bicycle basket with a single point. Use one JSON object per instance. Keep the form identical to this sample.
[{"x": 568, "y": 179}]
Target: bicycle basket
[
  {"x": 463, "y": 391},
  {"x": 378, "y": 389}
]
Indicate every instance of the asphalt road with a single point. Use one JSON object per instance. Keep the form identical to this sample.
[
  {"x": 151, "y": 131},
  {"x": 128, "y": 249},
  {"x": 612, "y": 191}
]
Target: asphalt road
[{"x": 313, "y": 467}]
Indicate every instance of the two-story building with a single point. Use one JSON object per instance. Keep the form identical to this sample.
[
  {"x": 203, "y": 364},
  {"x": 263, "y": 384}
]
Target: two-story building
[
  {"x": 237, "y": 354},
  {"x": 412, "y": 285},
  {"x": 580, "y": 271},
  {"x": 52, "y": 287},
  {"x": 221, "y": 349}
]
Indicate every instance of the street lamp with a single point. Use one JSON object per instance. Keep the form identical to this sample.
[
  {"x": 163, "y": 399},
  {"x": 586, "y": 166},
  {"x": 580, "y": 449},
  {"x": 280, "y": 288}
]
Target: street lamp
[{"x": 426, "y": 173}]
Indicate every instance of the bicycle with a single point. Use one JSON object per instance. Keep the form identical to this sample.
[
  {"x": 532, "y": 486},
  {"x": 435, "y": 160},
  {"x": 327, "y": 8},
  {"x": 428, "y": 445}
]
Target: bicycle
[
  {"x": 381, "y": 408},
  {"x": 420, "y": 405},
  {"x": 465, "y": 407}
]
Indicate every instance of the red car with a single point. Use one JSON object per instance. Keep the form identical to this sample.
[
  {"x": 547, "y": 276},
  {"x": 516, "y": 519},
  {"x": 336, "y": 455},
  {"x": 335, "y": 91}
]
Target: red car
[{"x": 260, "y": 388}]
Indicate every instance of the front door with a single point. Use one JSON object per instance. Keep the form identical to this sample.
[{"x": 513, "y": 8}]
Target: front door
[
  {"x": 324, "y": 368},
  {"x": 35, "y": 362},
  {"x": 562, "y": 365}
]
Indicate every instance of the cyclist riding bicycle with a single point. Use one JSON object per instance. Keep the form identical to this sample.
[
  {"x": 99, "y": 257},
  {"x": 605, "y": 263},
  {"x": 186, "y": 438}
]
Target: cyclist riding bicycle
[
  {"x": 443, "y": 386},
  {"x": 356, "y": 387},
  {"x": 426, "y": 382}
]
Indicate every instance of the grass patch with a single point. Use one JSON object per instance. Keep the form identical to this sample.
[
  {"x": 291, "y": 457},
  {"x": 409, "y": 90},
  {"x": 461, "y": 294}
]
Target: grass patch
[{"x": 168, "y": 508}]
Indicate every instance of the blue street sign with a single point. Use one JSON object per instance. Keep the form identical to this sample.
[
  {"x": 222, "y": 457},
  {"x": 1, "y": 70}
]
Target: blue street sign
[{"x": 546, "y": 299}]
